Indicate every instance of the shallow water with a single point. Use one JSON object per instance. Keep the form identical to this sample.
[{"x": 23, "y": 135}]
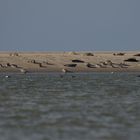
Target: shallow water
[{"x": 100, "y": 106}]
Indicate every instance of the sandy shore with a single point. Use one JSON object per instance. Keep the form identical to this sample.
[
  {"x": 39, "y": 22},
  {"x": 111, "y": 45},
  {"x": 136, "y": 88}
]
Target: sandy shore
[{"x": 69, "y": 61}]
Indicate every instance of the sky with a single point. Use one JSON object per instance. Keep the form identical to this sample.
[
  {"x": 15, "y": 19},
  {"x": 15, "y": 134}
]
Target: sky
[{"x": 69, "y": 25}]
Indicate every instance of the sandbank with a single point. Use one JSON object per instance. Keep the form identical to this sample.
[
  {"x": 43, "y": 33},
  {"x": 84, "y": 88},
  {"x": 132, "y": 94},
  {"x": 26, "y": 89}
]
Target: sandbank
[{"x": 70, "y": 61}]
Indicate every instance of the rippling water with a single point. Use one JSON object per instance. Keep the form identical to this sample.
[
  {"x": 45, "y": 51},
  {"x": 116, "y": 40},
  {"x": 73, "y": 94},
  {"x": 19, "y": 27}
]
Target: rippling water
[{"x": 100, "y": 106}]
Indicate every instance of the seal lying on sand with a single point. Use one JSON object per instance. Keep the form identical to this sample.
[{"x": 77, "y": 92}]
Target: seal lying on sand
[
  {"x": 70, "y": 65},
  {"x": 78, "y": 61},
  {"x": 65, "y": 70},
  {"x": 23, "y": 71},
  {"x": 131, "y": 60},
  {"x": 137, "y": 54},
  {"x": 91, "y": 65}
]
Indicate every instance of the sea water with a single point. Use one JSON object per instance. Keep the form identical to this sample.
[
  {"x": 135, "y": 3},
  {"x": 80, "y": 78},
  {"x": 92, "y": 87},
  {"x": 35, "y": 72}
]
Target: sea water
[{"x": 84, "y": 106}]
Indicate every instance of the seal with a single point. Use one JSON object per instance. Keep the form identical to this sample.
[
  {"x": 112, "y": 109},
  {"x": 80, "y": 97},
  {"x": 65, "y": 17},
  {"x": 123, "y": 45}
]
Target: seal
[{"x": 23, "y": 71}]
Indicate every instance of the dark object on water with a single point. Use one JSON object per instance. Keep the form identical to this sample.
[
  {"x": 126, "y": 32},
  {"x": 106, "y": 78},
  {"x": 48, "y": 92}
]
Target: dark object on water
[
  {"x": 70, "y": 65},
  {"x": 138, "y": 76},
  {"x": 77, "y": 61},
  {"x": 131, "y": 60},
  {"x": 73, "y": 76},
  {"x": 137, "y": 54},
  {"x": 61, "y": 76}
]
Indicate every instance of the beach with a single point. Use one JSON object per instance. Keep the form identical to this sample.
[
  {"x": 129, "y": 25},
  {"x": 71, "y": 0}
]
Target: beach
[{"x": 70, "y": 61}]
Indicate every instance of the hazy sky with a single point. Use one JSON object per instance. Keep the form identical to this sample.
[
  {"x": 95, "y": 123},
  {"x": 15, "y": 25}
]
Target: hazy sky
[{"x": 63, "y": 25}]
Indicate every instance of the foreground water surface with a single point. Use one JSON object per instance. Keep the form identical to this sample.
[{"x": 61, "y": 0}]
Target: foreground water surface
[{"x": 100, "y": 106}]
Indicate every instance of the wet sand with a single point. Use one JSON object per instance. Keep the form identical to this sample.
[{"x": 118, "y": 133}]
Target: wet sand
[{"x": 70, "y": 61}]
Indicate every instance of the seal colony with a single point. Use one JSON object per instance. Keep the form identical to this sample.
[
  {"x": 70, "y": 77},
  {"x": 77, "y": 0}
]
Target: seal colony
[{"x": 69, "y": 62}]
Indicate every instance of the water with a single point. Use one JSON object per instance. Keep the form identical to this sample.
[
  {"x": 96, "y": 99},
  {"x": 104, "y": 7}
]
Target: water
[{"x": 100, "y": 106}]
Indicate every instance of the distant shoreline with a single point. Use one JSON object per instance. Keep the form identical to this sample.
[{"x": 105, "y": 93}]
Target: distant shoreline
[{"x": 85, "y": 61}]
